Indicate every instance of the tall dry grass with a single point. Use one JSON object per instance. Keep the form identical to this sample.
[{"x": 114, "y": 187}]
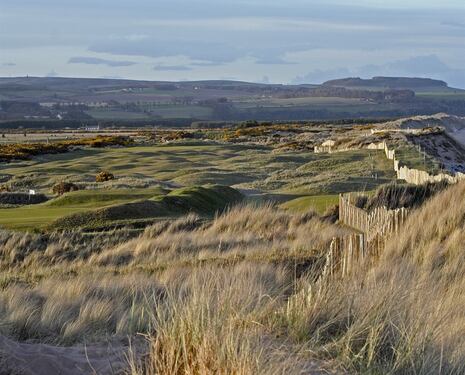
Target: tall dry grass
[
  {"x": 79, "y": 309},
  {"x": 243, "y": 295},
  {"x": 67, "y": 287},
  {"x": 405, "y": 314},
  {"x": 217, "y": 321}
]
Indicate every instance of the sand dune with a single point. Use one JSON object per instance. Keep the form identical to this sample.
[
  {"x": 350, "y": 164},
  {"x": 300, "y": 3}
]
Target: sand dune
[{"x": 41, "y": 359}]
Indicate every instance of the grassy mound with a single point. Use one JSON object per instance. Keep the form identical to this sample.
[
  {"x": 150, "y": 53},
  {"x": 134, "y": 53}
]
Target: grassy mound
[
  {"x": 98, "y": 197},
  {"x": 40, "y": 215},
  {"x": 201, "y": 200}
]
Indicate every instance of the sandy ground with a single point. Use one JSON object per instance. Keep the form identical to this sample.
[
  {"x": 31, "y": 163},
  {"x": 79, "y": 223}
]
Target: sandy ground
[
  {"x": 21, "y": 358},
  {"x": 458, "y": 135},
  {"x": 41, "y": 359}
]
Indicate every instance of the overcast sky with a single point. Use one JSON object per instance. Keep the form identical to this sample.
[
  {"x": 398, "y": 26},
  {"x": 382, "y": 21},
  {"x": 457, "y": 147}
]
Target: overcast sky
[{"x": 285, "y": 41}]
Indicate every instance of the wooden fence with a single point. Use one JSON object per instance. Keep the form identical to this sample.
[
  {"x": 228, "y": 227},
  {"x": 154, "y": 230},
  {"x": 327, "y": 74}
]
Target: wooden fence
[
  {"x": 379, "y": 221},
  {"x": 375, "y": 227},
  {"x": 410, "y": 175},
  {"x": 416, "y": 176}
]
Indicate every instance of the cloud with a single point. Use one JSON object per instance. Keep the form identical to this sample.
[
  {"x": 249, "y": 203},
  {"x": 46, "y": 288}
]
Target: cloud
[
  {"x": 206, "y": 63},
  {"x": 273, "y": 60},
  {"x": 8, "y": 64},
  {"x": 320, "y": 76},
  {"x": 428, "y": 66},
  {"x": 250, "y": 23},
  {"x": 167, "y": 68},
  {"x": 460, "y": 25},
  {"x": 243, "y": 36},
  {"x": 168, "y": 47},
  {"x": 97, "y": 61},
  {"x": 419, "y": 65},
  {"x": 51, "y": 74}
]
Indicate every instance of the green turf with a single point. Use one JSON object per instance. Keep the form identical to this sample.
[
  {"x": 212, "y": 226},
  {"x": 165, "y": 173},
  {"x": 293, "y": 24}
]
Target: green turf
[
  {"x": 189, "y": 164},
  {"x": 318, "y": 203},
  {"x": 97, "y": 207},
  {"x": 334, "y": 173},
  {"x": 40, "y": 215},
  {"x": 244, "y": 166},
  {"x": 93, "y": 198},
  {"x": 32, "y": 217},
  {"x": 203, "y": 200}
]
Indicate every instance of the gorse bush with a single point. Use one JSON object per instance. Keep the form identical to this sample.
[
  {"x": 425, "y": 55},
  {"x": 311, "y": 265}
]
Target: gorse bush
[
  {"x": 64, "y": 187},
  {"x": 21, "y": 151},
  {"x": 104, "y": 176}
]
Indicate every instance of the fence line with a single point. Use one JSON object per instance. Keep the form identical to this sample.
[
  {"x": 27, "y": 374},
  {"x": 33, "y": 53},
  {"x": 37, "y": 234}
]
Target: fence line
[
  {"x": 379, "y": 221},
  {"x": 410, "y": 175},
  {"x": 375, "y": 227}
]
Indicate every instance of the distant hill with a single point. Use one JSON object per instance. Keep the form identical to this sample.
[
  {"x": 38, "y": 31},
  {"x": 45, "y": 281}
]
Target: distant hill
[
  {"x": 392, "y": 83},
  {"x": 35, "y": 102}
]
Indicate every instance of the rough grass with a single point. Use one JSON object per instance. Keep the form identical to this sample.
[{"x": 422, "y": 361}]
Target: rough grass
[
  {"x": 67, "y": 287},
  {"x": 396, "y": 195},
  {"x": 403, "y": 316},
  {"x": 243, "y": 294},
  {"x": 410, "y": 156}
]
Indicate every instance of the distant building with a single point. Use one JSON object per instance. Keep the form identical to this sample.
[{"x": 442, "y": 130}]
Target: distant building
[{"x": 92, "y": 128}]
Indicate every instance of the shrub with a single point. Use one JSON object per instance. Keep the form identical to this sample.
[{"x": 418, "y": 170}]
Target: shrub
[
  {"x": 64, "y": 187},
  {"x": 177, "y": 135},
  {"x": 23, "y": 151},
  {"x": 104, "y": 176}
]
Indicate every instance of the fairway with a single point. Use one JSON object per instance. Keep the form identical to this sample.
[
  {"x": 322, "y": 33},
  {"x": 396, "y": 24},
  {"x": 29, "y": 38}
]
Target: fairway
[
  {"x": 199, "y": 163},
  {"x": 318, "y": 203},
  {"x": 40, "y": 215},
  {"x": 143, "y": 172},
  {"x": 31, "y": 217}
]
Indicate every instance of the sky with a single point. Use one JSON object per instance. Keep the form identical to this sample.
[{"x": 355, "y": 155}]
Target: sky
[{"x": 269, "y": 41}]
